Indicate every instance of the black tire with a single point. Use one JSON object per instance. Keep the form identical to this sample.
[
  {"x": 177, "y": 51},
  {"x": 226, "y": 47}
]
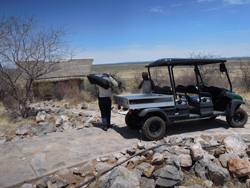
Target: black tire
[
  {"x": 239, "y": 119},
  {"x": 128, "y": 121},
  {"x": 154, "y": 128}
]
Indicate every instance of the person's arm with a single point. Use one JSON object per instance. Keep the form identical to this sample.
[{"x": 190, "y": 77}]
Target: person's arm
[{"x": 139, "y": 87}]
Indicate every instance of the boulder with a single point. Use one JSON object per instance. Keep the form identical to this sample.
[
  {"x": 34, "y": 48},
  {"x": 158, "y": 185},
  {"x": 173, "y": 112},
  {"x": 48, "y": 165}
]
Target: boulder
[
  {"x": 136, "y": 160},
  {"x": 42, "y": 183},
  {"x": 186, "y": 160},
  {"x": 147, "y": 183},
  {"x": 197, "y": 152},
  {"x": 239, "y": 167},
  {"x": 141, "y": 145},
  {"x": 131, "y": 151},
  {"x": 157, "y": 159},
  {"x": 65, "y": 118},
  {"x": 67, "y": 125},
  {"x": 146, "y": 169},
  {"x": 176, "y": 150},
  {"x": 200, "y": 169},
  {"x": 217, "y": 174},
  {"x": 23, "y": 130},
  {"x": 61, "y": 182},
  {"x": 118, "y": 177},
  {"x": 59, "y": 121},
  {"x": 235, "y": 144},
  {"x": 84, "y": 106},
  {"x": 226, "y": 156},
  {"x": 40, "y": 116},
  {"x": 165, "y": 176},
  {"x": 44, "y": 128}
]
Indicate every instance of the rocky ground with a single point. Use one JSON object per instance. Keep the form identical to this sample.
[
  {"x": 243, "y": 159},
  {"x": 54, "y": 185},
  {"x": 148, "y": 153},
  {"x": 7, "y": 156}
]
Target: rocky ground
[{"x": 170, "y": 162}]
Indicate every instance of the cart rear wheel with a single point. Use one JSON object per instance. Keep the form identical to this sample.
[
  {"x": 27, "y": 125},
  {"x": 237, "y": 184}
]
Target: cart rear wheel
[
  {"x": 130, "y": 124},
  {"x": 239, "y": 119},
  {"x": 154, "y": 128}
]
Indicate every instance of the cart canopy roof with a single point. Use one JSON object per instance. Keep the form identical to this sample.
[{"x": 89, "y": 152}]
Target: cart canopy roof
[{"x": 184, "y": 62}]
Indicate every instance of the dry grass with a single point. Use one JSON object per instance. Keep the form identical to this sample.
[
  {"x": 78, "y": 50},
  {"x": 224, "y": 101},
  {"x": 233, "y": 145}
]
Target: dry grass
[
  {"x": 1, "y": 106},
  {"x": 61, "y": 102},
  {"x": 5, "y": 120}
]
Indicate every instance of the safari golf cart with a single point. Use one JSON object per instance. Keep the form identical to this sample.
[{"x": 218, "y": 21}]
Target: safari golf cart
[{"x": 172, "y": 103}]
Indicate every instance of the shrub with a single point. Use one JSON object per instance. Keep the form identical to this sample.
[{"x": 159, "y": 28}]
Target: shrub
[
  {"x": 43, "y": 90},
  {"x": 81, "y": 96},
  {"x": 9, "y": 102}
]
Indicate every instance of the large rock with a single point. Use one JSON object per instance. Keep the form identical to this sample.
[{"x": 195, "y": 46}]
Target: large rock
[
  {"x": 239, "y": 167},
  {"x": 226, "y": 156},
  {"x": 157, "y": 159},
  {"x": 136, "y": 160},
  {"x": 102, "y": 167},
  {"x": 217, "y": 174},
  {"x": 186, "y": 160},
  {"x": 42, "y": 183},
  {"x": 197, "y": 152},
  {"x": 235, "y": 144},
  {"x": 65, "y": 118},
  {"x": 177, "y": 150},
  {"x": 170, "y": 174},
  {"x": 200, "y": 169},
  {"x": 118, "y": 177},
  {"x": 147, "y": 183},
  {"x": 59, "y": 121},
  {"x": 84, "y": 106},
  {"x": 67, "y": 125},
  {"x": 40, "y": 116},
  {"x": 146, "y": 169},
  {"x": 44, "y": 128},
  {"x": 23, "y": 130}
]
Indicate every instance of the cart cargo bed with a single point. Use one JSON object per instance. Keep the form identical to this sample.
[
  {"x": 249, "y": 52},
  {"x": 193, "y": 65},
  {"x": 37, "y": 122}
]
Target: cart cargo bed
[{"x": 139, "y": 101}]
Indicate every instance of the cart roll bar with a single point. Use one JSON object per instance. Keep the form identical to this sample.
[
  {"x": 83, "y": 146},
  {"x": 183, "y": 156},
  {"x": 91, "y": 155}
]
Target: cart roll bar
[{"x": 223, "y": 68}]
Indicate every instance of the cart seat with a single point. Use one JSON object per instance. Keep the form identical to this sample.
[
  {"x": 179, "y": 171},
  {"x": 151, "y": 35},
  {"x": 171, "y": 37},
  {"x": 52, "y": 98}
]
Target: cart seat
[
  {"x": 191, "y": 89},
  {"x": 163, "y": 90},
  {"x": 195, "y": 99}
]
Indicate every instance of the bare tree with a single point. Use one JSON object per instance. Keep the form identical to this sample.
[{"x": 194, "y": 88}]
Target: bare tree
[
  {"x": 245, "y": 74},
  {"x": 208, "y": 72},
  {"x": 27, "y": 52}
]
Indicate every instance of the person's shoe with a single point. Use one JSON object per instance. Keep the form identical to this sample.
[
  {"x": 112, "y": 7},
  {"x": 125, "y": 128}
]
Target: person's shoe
[
  {"x": 110, "y": 126},
  {"x": 105, "y": 128}
]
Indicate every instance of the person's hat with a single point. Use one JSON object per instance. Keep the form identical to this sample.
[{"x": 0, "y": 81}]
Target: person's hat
[{"x": 144, "y": 74}]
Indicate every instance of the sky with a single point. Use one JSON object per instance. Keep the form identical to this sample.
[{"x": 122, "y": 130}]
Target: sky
[{"x": 113, "y": 31}]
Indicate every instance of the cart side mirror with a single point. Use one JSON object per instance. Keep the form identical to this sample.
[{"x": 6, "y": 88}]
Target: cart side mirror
[{"x": 223, "y": 67}]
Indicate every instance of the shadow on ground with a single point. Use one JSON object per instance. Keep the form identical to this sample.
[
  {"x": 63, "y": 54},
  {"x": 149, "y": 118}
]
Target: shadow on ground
[{"x": 176, "y": 128}]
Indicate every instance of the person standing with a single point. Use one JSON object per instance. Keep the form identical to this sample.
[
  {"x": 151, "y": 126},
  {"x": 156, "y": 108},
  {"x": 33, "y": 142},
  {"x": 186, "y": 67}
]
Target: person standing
[
  {"x": 146, "y": 84},
  {"x": 104, "y": 101}
]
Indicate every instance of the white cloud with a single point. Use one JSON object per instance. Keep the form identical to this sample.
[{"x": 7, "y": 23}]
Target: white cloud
[
  {"x": 157, "y": 9},
  {"x": 231, "y": 2},
  {"x": 237, "y": 2},
  {"x": 211, "y": 9}
]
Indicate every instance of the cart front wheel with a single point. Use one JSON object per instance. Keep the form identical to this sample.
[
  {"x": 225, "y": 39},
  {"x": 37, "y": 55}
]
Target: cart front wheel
[
  {"x": 239, "y": 119},
  {"x": 154, "y": 128}
]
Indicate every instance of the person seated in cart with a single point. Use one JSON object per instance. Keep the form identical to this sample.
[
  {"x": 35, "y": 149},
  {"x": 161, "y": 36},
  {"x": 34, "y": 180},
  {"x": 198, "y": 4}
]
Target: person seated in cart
[{"x": 146, "y": 84}]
